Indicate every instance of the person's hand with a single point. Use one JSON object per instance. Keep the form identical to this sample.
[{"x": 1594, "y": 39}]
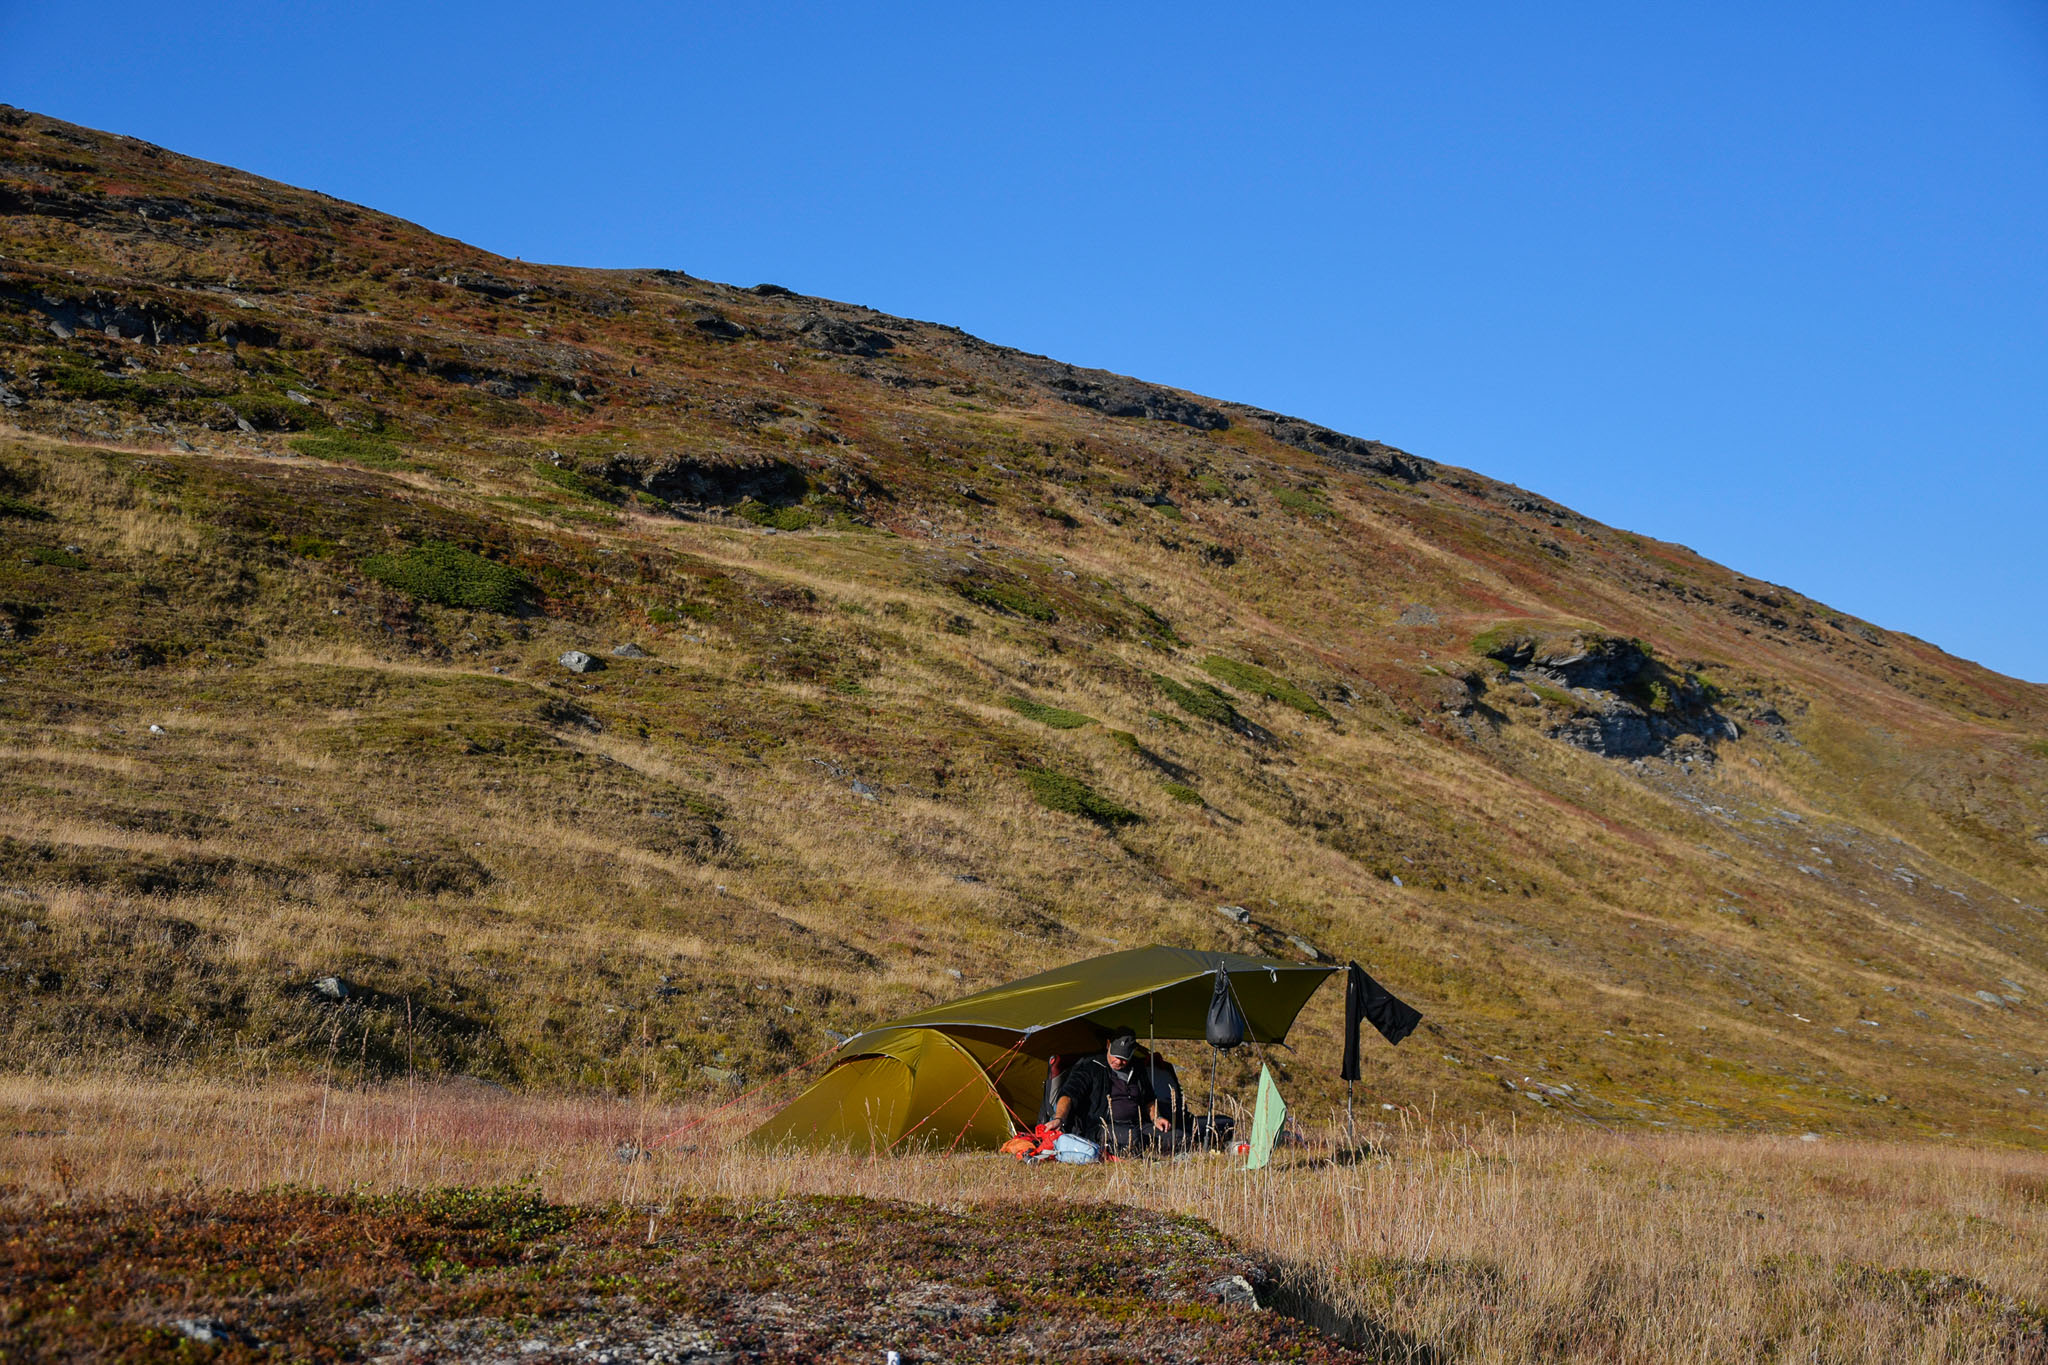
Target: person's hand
[{"x": 1161, "y": 1122}]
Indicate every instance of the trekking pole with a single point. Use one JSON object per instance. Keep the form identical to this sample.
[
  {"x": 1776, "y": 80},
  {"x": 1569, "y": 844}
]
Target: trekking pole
[{"x": 1350, "y": 1128}]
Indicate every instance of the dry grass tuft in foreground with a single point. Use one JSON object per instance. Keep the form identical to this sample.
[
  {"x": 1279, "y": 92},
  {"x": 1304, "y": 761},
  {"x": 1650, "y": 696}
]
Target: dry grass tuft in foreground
[{"x": 1437, "y": 1244}]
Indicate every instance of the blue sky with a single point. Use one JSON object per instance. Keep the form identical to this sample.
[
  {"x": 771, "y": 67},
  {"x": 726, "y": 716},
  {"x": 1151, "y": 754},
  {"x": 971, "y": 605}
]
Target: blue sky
[{"x": 1770, "y": 281}]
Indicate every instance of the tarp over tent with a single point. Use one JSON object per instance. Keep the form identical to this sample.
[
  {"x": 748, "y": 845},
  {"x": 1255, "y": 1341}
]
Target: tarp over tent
[{"x": 970, "y": 1072}]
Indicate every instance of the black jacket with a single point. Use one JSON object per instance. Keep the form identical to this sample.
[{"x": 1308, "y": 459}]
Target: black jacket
[{"x": 1087, "y": 1085}]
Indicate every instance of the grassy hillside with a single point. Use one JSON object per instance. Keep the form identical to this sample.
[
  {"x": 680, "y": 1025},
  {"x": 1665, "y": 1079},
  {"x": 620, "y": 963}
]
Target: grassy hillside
[{"x": 942, "y": 663}]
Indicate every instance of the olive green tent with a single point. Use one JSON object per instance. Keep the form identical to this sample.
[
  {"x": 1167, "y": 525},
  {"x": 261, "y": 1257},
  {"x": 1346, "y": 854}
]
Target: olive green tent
[{"x": 970, "y": 1072}]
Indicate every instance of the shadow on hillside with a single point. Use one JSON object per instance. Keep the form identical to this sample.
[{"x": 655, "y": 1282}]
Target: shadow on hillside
[{"x": 1294, "y": 1293}]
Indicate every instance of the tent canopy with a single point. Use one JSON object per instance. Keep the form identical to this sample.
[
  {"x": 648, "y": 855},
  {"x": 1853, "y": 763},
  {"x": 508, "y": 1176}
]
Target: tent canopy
[
  {"x": 1156, "y": 992},
  {"x": 971, "y": 1071}
]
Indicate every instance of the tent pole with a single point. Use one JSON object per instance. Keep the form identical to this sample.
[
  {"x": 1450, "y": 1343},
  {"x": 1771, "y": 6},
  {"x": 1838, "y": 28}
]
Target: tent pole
[
  {"x": 1152, "y": 1045},
  {"x": 1215, "y": 1057}
]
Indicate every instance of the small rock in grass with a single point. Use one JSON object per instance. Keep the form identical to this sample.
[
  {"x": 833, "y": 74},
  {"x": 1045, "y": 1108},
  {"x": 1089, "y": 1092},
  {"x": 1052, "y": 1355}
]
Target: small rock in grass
[
  {"x": 863, "y": 790},
  {"x": 1302, "y": 945},
  {"x": 1417, "y": 614},
  {"x": 210, "y": 1330},
  {"x": 723, "y": 1076},
  {"x": 1235, "y": 1289},
  {"x": 1236, "y": 914},
  {"x": 629, "y": 651},
  {"x": 332, "y": 988},
  {"x": 156, "y": 729},
  {"x": 576, "y": 661}
]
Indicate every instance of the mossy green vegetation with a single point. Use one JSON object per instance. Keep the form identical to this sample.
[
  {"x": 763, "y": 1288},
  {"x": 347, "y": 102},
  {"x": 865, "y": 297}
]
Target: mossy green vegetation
[
  {"x": 1006, "y": 596},
  {"x": 1071, "y": 796},
  {"x": 1205, "y": 701},
  {"x": 1500, "y": 637},
  {"x": 779, "y": 518},
  {"x": 1261, "y": 683},
  {"x": 11, "y": 506},
  {"x": 1183, "y": 793},
  {"x": 571, "y": 480},
  {"x": 1556, "y": 696},
  {"x": 53, "y": 557},
  {"x": 1652, "y": 694},
  {"x": 451, "y": 576},
  {"x": 352, "y": 447},
  {"x": 268, "y": 411},
  {"x": 1303, "y": 501},
  {"x": 81, "y": 381},
  {"x": 1057, "y": 717}
]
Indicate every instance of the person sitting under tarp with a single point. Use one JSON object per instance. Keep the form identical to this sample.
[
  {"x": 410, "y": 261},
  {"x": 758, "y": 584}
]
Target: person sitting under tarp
[{"x": 1109, "y": 1100}]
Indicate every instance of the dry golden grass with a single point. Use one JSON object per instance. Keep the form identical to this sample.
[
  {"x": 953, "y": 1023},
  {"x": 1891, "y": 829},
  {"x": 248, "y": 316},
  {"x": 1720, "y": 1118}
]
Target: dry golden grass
[{"x": 1482, "y": 1244}]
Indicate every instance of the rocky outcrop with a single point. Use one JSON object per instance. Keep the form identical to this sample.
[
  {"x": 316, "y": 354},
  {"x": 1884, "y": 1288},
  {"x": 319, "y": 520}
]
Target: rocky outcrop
[
  {"x": 1606, "y": 695},
  {"x": 1353, "y": 454},
  {"x": 1113, "y": 395}
]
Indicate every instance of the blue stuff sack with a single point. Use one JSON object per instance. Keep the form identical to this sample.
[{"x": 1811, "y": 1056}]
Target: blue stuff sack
[{"x": 1076, "y": 1151}]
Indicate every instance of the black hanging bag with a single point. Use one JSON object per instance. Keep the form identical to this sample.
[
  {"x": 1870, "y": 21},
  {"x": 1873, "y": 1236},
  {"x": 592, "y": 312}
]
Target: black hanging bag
[{"x": 1225, "y": 1028}]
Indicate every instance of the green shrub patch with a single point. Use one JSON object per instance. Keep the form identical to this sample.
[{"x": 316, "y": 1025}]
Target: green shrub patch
[
  {"x": 1013, "y": 599},
  {"x": 82, "y": 381},
  {"x": 1183, "y": 793},
  {"x": 274, "y": 412},
  {"x": 1257, "y": 681},
  {"x": 1056, "y": 717},
  {"x": 1071, "y": 796},
  {"x": 54, "y": 557},
  {"x": 1302, "y": 501},
  {"x": 436, "y": 571},
  {"x": 779, "y": 518},
  {"x": 581, "y": 484},
  {"x": 349, "y": 447},
  {"x": 1202, "y": 700}
]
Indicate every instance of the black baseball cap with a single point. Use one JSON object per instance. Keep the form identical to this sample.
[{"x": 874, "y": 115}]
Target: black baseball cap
[{"x": 1123, "y": 1043}]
